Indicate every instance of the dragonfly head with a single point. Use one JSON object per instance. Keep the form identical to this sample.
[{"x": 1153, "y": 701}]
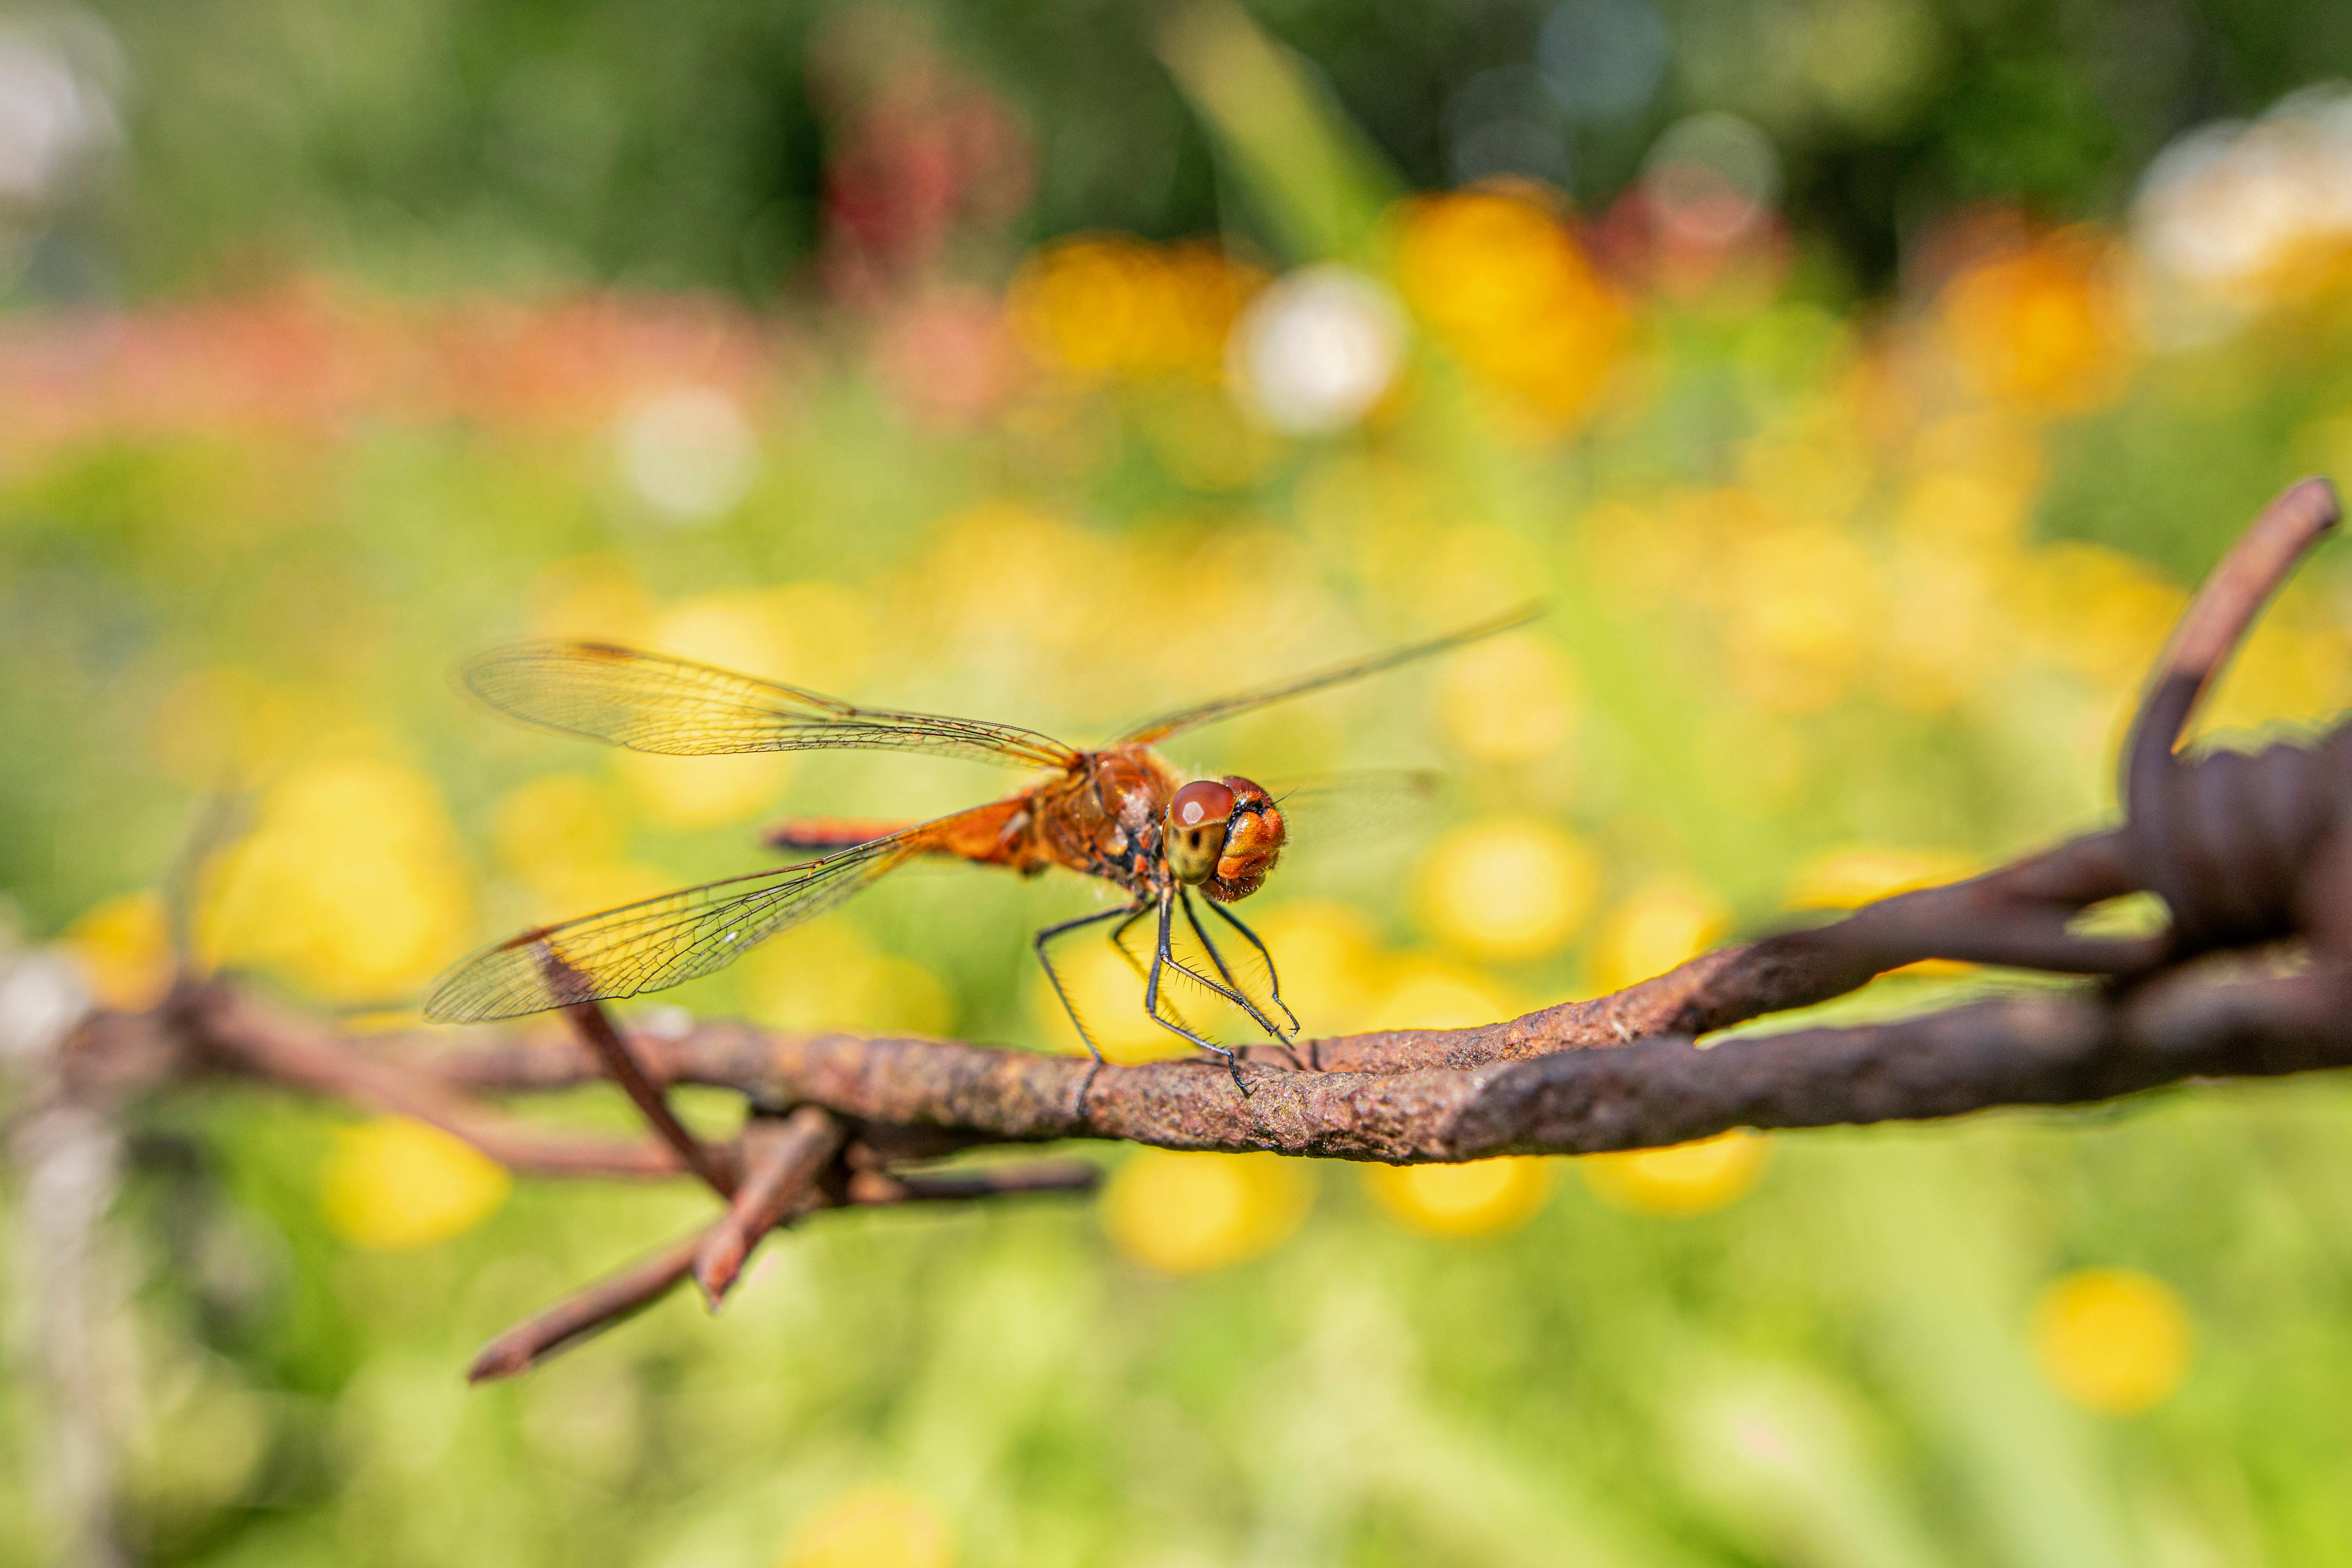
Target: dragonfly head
[{"x": 1223, "y": 835}]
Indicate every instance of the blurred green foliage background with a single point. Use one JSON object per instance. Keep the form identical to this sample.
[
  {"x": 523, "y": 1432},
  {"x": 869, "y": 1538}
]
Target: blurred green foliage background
[
  {"x": 1863, "y": 385},
  {"x": 443, "y": 144}
]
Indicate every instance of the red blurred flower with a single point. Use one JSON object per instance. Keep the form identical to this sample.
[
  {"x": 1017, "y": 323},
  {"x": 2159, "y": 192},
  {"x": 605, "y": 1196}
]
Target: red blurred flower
[{"x": 923, "y": 157}]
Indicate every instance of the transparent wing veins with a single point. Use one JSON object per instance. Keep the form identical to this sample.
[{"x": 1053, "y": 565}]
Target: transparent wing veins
[
  {"x": 654, "y": 702},
  {"x": 655, "y": 943},
  {"x": 1227, "y": 707}
]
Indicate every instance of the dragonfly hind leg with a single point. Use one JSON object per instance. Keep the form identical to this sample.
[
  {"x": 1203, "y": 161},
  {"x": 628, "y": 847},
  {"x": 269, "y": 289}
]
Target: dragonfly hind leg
[{"x": 1053, "y": 977}]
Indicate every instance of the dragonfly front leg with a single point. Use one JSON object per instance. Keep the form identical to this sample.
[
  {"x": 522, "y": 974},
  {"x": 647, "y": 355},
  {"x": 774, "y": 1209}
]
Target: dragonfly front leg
[
  {"x": 1272, "y": 976},
  {"x": 1160, "y": 959},
  {"x": 1143, "y": 970},
  {"x": 1232, "y": 990}
]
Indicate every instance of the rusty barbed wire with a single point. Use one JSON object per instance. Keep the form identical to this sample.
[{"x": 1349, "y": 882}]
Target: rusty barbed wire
[{"x": 2250, "y": 854}]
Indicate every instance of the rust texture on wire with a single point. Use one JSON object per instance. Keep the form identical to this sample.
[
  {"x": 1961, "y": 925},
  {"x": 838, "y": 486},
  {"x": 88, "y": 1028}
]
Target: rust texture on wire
[{"x": 2251, "y": 976}]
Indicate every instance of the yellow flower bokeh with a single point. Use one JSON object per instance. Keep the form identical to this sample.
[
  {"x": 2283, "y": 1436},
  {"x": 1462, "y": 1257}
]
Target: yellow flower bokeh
[
  {"x": 1332, "y": 965},
  {"x": 811, "y": 634},
  {"x": 2096, "y": 611},
  {"x": 1008, "y": 577},
  {"x": 703, "y": 792},
  {"x": 1685, "y": 1179},
  {"x": 828, "y": 975},
  {"x": 547, "y": 825},
  {"x": 1507, "y": 701},
  {"x": 1501, "y": 280},
  {"x": 2285, "y": 671},
  {"x": 395, "y": 1184},
  {"x": 1110, "y": 305},
  {"x": 350, "y": 883},
  {"x": 1651, "y": 931},
  {"x": 563, "y": 893},
  {"x": 1423, "y": 991},
  {"x": 124, "y": 950},
  {"x": 1478, "y": 1198},
  {"x": 2112, "y": 1339},
  {"x": 1855, "y": 875},
  {"x": 2046, "y": 326},
  {"x": 872, "y": 1527},
  {"x": 1798, "y": 606},
  {"x": 733, "y": 629},
  {"x": 1946, "y": 626},
  {"x": 1190, "y": 1213},
  {"x": 1970, "y": 507},
  {"x": 1508, "y": 887},
  {"x": 593, "y": 596}
]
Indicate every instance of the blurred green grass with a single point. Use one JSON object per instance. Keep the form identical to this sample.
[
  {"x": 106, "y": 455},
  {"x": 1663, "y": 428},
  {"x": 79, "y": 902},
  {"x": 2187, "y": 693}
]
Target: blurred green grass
[{"x": 1841, "y": 598}]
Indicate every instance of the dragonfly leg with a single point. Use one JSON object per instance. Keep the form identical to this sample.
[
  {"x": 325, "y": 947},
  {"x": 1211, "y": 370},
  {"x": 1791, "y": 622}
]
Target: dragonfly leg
[
  {"x": 1215, "y": 988},
  {"x": 1230, "y": 993},
  {"x": 1118, "y": 939},
  {"x": 1273, "y": 978},
  {"x": 1053, "y": 977},
  {"x": 1134, "y": 962},
  {"x": 1237, "y": 994},
  {"x": 1160, "y": 959}
]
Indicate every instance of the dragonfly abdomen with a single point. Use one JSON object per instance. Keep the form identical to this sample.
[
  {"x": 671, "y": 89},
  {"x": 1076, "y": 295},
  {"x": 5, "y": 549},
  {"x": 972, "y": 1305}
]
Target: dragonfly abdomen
[{"x": 823, "y": 835}]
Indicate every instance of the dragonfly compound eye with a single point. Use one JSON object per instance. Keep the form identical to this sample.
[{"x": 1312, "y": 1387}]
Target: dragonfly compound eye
[{"x": 1195, "y": 834}]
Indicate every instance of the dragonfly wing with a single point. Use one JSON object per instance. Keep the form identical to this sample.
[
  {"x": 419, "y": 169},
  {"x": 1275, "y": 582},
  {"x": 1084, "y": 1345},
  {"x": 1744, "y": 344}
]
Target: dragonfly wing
[
  {"x": 655, "y": 943},
  {"x": 653, "y": 702},
  {"x": 1227, "y": 707},
  {"x": 1349, "y": 810}
]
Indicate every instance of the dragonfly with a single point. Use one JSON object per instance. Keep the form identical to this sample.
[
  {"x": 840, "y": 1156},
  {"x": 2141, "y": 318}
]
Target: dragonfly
[{"x": 1119, "y": 814}]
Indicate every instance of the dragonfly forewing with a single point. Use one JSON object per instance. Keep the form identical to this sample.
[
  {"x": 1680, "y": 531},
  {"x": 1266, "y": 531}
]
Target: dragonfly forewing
[{"x": 654, "y": 702}]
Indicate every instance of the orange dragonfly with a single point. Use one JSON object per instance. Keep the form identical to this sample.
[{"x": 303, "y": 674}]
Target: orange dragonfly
[{"x": 1119, "y": 814}]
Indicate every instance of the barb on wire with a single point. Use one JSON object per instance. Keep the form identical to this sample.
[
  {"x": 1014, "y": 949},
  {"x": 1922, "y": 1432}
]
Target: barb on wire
[
  {"x": 2248, "y": 853},
  {"x": 2219, "y": 870}
]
